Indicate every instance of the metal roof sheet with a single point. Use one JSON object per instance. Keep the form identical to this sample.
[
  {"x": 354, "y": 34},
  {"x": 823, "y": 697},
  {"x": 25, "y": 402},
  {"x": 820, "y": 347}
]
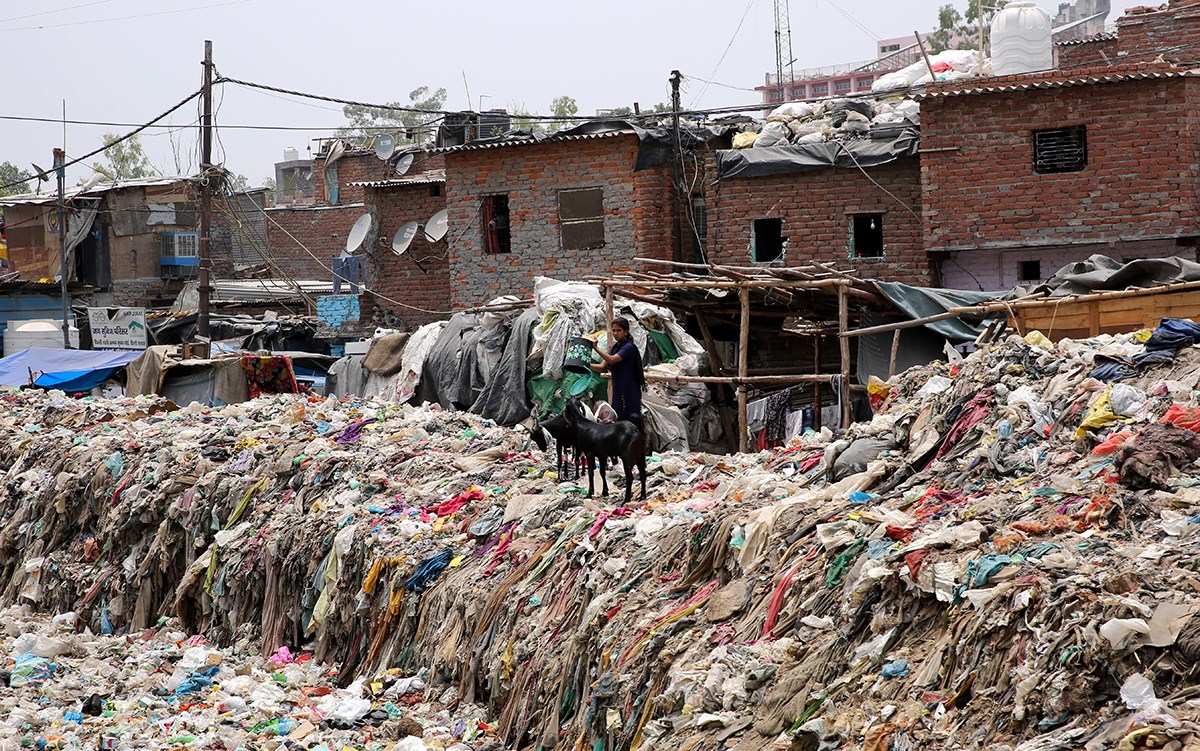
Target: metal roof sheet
[
  {"x": 1052, "y": 80},
  {"x": 432, "y": 177},
  {"x": 529, "y": 141},
  {"x": 94, "y": 192}
]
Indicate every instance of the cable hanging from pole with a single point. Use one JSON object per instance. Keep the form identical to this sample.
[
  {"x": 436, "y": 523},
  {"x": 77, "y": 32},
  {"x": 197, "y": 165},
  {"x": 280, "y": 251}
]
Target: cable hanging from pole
[{"x": 121, "y": 139}]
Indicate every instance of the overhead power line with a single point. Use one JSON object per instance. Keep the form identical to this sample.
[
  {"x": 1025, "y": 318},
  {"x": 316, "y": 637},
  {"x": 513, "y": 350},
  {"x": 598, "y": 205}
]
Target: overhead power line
[
  {"x": 107, "y": 124},
  {"x": 126, "y": 18},
  {"x": 55, "y": 10},
  {"x": 119, "y": 139}
]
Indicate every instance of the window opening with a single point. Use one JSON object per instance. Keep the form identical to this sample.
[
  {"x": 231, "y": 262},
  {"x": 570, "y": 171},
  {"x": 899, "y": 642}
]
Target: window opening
[
  {"x": 497, "y": 237},
  {"x": 866, "y": 236},
  {"x": 768, "y": 240}
]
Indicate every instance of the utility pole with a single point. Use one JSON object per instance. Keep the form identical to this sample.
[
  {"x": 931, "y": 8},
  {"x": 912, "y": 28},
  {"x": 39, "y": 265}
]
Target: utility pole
[
  {"x": 60, "y": 171},
  {"x": 677, "y": 175},
  {"x": 202, "y": 329}
]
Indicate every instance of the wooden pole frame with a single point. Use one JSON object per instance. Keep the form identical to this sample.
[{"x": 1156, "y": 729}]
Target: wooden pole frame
[{"x": 743, "y": 366}]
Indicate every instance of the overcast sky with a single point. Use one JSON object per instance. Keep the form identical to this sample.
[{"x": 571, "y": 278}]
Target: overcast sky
[{"x": 128, "y": 60}]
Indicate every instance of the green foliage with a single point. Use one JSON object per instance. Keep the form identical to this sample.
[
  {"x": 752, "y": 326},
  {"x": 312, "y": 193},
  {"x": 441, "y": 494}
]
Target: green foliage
[
  {"x": 368, "y": 122},
  {"x": 11, "y": 173},
  {"x": 961, "y": 29},
  {"x": 126, "y": 160}
]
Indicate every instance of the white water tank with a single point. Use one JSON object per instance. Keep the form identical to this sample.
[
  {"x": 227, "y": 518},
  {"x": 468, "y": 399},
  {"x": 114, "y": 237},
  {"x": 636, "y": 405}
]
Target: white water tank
[
  {"x": 20, "y": 335},
  {"x": 1021, "y": 39},
  {"x": 290, "y": 154}
]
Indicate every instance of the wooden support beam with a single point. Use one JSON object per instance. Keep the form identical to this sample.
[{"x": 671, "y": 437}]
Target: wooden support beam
[
  {"x": 895, "y": 352},
  {"x": 843, "y": 325},
  {"x": 743, "y": 366},
  {"x": 718, "y": 369},
  {"x": 755, "y": 380},
  {"x": 817, "y": 405}
]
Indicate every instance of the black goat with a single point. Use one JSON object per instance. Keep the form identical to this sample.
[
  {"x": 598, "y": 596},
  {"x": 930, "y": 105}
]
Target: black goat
[
  {"x": 563, "y": 432},
  {"x": 605, "y": 440}
]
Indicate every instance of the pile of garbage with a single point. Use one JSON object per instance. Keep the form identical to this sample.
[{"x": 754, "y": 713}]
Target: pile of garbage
[
  {"x": 1002, "y": 558},
  {"x": 828, "y": 120},
  {"x": 842, "y": 119},
  {"x": 162, "y": 688}
]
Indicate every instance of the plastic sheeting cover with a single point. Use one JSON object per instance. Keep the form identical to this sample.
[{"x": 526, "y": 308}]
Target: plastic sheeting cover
[
  {"x": 59, "y": 366},
  {"x": 784, "y": 160}
]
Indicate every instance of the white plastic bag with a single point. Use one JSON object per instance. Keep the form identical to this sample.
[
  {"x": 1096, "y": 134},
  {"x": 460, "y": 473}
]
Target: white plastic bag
[{"x": 773, "y": 134}]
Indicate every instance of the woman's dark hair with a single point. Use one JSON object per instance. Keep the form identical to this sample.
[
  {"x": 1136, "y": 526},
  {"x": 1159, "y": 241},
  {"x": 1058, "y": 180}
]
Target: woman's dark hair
[{"x": 621, "y": 323}]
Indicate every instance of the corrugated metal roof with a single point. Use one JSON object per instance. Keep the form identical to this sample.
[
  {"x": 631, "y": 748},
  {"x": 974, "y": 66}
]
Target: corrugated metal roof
[
  {"x": 529, "y": 141},
  {"x": 432, "y": 177},
  {"x": 94, "y": 192},
  {"x": 1053, "y": 80},
  {"x": 1104, "y": 36}
]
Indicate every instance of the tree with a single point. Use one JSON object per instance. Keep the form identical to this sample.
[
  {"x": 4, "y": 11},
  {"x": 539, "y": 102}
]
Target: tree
[
  {"x": 957, "y": 29},
  {"x": 19, "y": 179},
  {"x": 522, "y": 119},
  {"x": 267, "y": 182},
  {"x": 564, "y": 107},
  {"x": 662, "y": 108},
  {"x": 126, "y": 160},
  {"x": 366, "y": 122}
]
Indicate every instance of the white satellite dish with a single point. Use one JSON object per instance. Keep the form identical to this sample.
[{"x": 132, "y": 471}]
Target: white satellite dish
[
  {"x": 403, "y": 164},
  {"x": 435, "y": 228},
  {"x": 358, "y": 233},
  {"x": 336, "y": 149},
  {"x": 385, "y": 146},
  {"x": 404, "y": 237}
]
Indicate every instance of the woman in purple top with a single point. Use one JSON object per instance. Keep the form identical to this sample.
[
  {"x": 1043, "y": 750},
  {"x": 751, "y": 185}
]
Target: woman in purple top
[{"x": 625, "y": 363}]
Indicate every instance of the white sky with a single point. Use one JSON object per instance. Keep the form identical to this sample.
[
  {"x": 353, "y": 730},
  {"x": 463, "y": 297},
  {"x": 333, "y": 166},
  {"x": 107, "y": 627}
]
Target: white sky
[{"x": 111, "y": 67}]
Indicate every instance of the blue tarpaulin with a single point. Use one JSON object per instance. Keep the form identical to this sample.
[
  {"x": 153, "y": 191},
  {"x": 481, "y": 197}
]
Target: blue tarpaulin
[{"x": 65, "y": 369}]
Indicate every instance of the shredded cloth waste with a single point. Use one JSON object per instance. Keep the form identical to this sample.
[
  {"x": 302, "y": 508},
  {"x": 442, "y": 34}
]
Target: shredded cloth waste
[{"x": 1006, "y": 561}]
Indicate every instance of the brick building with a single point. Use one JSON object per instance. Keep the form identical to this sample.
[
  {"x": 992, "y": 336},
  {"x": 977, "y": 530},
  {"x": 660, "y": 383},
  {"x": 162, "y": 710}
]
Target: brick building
[
  {"x": 141, "y": 245},
  {"x": 832, "y": 215},
  {"x": 1170, "y": 31},
  {"x": 413, "y": 287},
  {"x": 567, "y": 207},
  {"x": 1022, "y": 174}
]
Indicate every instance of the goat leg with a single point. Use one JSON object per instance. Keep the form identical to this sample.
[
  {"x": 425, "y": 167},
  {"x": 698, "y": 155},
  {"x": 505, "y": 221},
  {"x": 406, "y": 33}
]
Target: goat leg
[
  {"x": 587, "y": 460},
  {"x": 604, "y": 474}
]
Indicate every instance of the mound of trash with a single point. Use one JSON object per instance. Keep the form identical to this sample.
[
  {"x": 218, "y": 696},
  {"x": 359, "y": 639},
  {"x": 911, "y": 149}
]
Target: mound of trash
[{"x": 1001, "y": 558}]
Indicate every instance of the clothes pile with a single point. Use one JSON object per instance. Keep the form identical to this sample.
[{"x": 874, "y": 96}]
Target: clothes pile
[{"x": 1003, "y": 557}]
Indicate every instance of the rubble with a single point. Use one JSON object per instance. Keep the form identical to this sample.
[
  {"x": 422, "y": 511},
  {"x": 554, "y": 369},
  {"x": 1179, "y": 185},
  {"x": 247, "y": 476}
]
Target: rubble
[{"x": 1002, "y": 558}]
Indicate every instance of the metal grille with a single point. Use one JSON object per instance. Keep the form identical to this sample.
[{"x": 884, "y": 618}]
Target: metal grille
[{"x": 1060, "y": 150}]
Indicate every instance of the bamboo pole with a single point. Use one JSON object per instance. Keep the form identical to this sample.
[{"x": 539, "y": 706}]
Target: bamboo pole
[
  {"x": 817, "y": 399},
  {"x": 743, "y": 366},
  {"x": 843, "y": 325},
  {"x": 714, "y": 362},
  {"x": 760, "y": 380}
]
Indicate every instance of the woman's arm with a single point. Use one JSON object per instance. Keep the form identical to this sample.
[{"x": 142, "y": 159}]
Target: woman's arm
[{"x": 607, "y": 358}]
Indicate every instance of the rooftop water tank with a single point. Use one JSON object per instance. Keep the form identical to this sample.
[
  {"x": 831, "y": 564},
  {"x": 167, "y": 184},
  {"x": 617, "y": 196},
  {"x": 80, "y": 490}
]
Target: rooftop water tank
[
  {"x": 21, "y": 335},
  {"x": 1021, "y": 39},
  {"x": 290, "y": 154}
]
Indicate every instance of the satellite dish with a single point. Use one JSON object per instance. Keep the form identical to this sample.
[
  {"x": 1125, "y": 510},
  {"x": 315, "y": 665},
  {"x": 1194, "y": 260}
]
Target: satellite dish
[
  {"x": 358, "y": 233},
  {"x": 41, "y": 173},
  {"x": 404, "y": 237},
  {"x": 385, "y": 146},
  {"x": 403, "y": 164},
  {"x": 435, "y": 228},
  {"x": 335, "y": 152}
]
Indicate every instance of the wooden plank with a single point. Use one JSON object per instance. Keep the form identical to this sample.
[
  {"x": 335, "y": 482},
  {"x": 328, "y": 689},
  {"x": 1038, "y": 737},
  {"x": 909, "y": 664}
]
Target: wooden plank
[
  {"x": 817, "y": 384},
  {"x": 743, "y": 366},
  {"x": 843, "y": 326}
]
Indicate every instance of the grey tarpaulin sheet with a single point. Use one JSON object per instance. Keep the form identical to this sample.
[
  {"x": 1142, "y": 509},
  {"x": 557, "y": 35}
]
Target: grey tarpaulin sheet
[
  {"x": 1099, "y": 273},
  {"x": 918, "y": 346},
  {"x": 792, "y": 158},
  {"x": 439, "y": 375},
  {"x": 504, "y": 399},
  {"x": 921, "y": 302}
]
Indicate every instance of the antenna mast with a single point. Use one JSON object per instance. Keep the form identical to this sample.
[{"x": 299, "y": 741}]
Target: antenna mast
[{"x": 783, "y": 48}]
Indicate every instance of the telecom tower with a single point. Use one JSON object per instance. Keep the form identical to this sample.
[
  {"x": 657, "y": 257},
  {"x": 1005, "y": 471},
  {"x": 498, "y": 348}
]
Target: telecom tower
[{"x": 783, "y": 47}]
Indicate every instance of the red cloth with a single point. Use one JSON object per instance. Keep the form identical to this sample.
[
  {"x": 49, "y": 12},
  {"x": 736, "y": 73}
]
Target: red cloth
[{"x": 446, "y": 508}]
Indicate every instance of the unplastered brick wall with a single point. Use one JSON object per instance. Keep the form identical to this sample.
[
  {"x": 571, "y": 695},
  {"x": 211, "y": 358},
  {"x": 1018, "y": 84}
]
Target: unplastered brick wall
[
  {"x": 337, "y": 310},
  {"x": 364, "y": 166},
  {"x": 637, "y": 213},
  {"x": 980, "y": 188},
  {"x": 322, "y": 230},
  {"x": 817, "y": 210},
  {"x": 1144, "y": 33},
  {"x": 417, "y": 283}
]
